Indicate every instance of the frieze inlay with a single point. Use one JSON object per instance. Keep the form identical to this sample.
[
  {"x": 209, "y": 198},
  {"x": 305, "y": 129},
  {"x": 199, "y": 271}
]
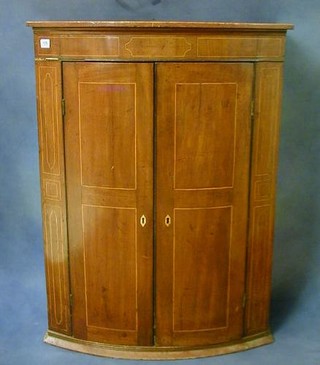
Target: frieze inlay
[{"x": 150, "y": 46}]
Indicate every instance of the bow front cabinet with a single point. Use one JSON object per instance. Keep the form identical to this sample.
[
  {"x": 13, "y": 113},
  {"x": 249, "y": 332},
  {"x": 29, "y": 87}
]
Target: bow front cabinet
[{"x": 158, "y": 156}]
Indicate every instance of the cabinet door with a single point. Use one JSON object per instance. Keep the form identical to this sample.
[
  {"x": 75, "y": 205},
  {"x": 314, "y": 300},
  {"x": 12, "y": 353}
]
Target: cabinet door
[
  {"x": 108, "y": 145},
  {"x": 203, "y": 142}
]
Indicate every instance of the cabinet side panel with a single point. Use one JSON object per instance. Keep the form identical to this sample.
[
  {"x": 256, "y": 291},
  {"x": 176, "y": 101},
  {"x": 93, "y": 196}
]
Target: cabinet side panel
[
  {"x": 48, "y": 76},
  {"x": 262, "y": 198}
]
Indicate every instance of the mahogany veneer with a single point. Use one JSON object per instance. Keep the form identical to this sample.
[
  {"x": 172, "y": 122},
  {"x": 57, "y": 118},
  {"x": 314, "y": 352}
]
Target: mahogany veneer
[{"x": 158, "y": 157}]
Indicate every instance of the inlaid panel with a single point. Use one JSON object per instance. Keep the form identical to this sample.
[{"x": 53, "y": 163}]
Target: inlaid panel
[
  {"x": 112, "y": 108},
  {"x": 263, "y": 189},
  {"x": 52, "y": 189},
  {"x": 109, "y": 240},
  {"x": 56, "y": 267},
  {"x": 205, "y": 123},
  {"x": 201, "y": 244},
  {"x": 48, "y": 119}
]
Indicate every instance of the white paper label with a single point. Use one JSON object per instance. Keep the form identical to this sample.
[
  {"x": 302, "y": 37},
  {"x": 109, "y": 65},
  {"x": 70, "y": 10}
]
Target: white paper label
[{"x": 44, "y": 43}]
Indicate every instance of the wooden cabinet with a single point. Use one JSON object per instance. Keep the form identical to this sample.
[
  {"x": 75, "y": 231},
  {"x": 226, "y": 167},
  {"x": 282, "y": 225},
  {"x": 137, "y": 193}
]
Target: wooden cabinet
[{"x": 158, "y": 153}]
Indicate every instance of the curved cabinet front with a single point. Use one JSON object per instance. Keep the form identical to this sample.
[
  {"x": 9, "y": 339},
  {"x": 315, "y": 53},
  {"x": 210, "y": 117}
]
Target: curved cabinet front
[{"x": 158, "y": 186}]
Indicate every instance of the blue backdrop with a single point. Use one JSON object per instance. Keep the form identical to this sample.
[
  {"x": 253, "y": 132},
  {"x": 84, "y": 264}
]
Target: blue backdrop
[{"x": 296, "y": 279}]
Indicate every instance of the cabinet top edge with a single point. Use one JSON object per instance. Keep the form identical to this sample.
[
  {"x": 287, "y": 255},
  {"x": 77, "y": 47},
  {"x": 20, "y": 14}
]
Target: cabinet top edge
[{"x": 159, "y": 24}]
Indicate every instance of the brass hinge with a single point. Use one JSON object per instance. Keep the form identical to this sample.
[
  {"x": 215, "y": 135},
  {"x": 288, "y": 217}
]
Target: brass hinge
[
  {"x": 244, "y": 300},
  {"x": 63, "y": 107},
  {"x": 154, "y": 333},
  {"x": 47, "y": 59},
  {"x": 252, "y": 109}
]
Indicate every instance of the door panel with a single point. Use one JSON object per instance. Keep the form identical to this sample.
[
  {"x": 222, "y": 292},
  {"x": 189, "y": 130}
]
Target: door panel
[
  {"x": 202, "y": 303},
  {"x": 194, "y": 146},
  {"x": 114, "y": 127},
  {"x": 116, "y": 289},
  {"x": 108, "y": 142},
  {"x": 203, "y": 141}
]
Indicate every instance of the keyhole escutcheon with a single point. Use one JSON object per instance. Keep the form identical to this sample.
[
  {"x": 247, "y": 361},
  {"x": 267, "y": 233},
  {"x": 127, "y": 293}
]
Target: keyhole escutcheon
[{"x": 143, "y": 220}]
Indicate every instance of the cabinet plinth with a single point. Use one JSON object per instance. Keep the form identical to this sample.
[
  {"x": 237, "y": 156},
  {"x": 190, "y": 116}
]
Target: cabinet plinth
[{"x": 158, "y": 157}]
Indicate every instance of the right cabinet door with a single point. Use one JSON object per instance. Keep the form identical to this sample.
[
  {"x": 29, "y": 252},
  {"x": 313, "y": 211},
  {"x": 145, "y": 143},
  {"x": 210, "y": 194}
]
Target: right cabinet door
[{"x": 203, "y": 157}]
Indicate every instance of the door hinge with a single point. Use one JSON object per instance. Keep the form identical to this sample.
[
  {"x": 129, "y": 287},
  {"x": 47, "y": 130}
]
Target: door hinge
[
  {"x": 63, "y": 107},
  {"x": 244, "y": 300},
  {"x": 252, "y": 109},
  {"x": 71, "y": 299}
]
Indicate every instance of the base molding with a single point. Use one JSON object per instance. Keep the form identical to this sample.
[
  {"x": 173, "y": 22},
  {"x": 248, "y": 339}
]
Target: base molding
[{"x": 155, "y": 352}]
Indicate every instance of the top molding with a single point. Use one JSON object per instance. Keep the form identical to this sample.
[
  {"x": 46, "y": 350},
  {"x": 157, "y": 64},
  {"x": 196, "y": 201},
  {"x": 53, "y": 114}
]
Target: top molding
[
  {"x": 124, "y": 24},
  {"x": 158, "y": 41}
]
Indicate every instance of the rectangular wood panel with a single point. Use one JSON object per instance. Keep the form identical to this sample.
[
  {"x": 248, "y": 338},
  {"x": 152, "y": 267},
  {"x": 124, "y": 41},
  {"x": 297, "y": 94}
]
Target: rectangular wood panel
[
  {"x": 214, "y": 105},
  {"x": 109, "y": 156},
  {"x": 202, "y": 242},
  {"x": 105, "y": 251},
  {"x": 240, "y": 46},
  {"x": 203, "y": 144},
  {"x": 108, "y": 129}
]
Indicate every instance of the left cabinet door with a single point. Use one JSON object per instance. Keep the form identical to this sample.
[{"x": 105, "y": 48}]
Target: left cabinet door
[{"x": 109, "y": 174}]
